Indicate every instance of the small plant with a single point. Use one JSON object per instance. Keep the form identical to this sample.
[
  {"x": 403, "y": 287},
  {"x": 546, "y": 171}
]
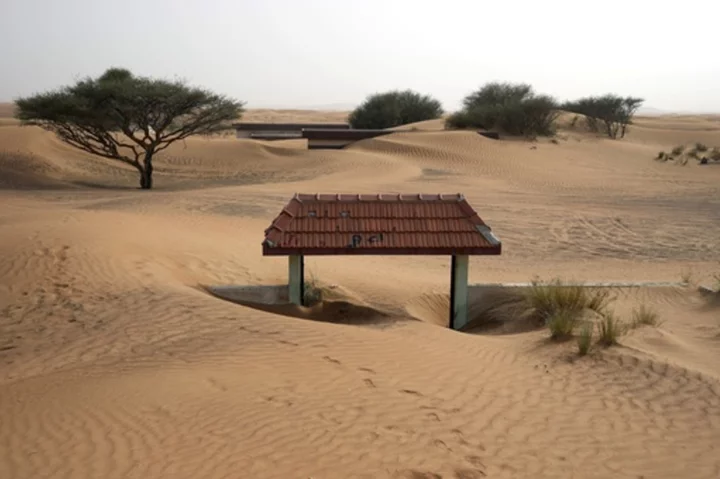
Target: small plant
[
  {"x": 715, "y": 154},
  {"x": 313, "y": 293},
  {"x": 610, "y": 329},
  {"x": 678, "y": 150},
  {"x": 701, "y": 147},
  {"x": 584, "y": 341},
  {"x": 549, "y": 298},
  {"x": 662, "y": 156},
  {"x": 562, "y": 323},
  {"x": 645, "y": 316}
]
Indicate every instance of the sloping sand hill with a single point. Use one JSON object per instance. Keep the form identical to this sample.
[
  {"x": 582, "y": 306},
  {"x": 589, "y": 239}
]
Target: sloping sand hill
[{"x": 116, "y": 362}]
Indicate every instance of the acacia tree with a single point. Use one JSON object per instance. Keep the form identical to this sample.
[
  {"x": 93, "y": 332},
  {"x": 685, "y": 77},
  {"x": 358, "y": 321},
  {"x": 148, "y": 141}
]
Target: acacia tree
[
  {"x": 394, "y": 108},
  {"x": 128, "y": 118},
  {"x": 613, "y": 112}
]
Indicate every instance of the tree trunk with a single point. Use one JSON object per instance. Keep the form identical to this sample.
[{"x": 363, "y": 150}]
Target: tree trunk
[{"x": 146, "y": 181}]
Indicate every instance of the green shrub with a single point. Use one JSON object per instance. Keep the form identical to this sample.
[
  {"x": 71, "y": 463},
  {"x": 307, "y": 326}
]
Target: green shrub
[
  {"x": 645, "y": 316},
  {"x": 610, "y": 329},
  {"x": 512, "y": 108},
  {"x": 584, "y": 341},
  {"x": 394, "y": 108}
]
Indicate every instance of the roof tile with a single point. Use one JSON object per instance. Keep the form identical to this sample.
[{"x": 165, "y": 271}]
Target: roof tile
[{"x": 379, "y": 224}]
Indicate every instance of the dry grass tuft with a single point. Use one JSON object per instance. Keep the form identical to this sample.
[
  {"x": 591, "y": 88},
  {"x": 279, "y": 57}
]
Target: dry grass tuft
[
  {"x": 584, "y": 341},
  {"x": 313, "y": 292},
  {"x": 678, "y": 150},
  {"x": 645, "y": 316},
  {"x": 547, "y": 298},
  {"x": 610, "y": 329},
  {"x": 562, "y": 324},
  {"x": 561, "y": 306}
]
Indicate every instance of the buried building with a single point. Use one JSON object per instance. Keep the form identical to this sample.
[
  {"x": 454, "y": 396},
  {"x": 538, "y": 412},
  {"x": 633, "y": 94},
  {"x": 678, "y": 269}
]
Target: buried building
[{"x": 382, "y": 224}]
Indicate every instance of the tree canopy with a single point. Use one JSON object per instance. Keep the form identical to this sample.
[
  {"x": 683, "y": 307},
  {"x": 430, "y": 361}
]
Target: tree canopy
[
  {"x": 394, "y": 108},
  {"x": 612, "y": 112},
  {"x": 513, "y": 108},
  {"x": 128, "y": 118}
]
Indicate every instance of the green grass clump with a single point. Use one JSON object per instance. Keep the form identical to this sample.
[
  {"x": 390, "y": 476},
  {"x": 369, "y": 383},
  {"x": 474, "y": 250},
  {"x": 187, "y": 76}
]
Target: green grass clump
[
  {"x": 551, "y": 297},
  {"x": 645, "y": 316},
  {"x": 610, "y": 329},
  {"x": 562, "y": 324},
  {"x": 561, "y": 306},
  {"x": 584, "y": 341}
]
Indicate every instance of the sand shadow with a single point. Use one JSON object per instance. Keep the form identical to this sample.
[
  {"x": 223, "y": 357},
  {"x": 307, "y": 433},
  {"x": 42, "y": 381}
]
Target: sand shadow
[
  {"x": 331, "y": 309},
  {"x": 492, "y": 310}
]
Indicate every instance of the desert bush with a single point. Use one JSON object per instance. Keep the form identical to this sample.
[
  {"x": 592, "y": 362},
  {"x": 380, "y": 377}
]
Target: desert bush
[
  {"x": 584, "y": 341},
  {"x": 661, "y": 156},
  {"x": 715, "y": 154},
  {"x": 512, "y": 108},
  {"x": 699, "y": 147},
  {"x": 614, "y": 113},
  {"x": 645, "y": 316},
  {"x": 678, "y": 150},
  {"x": 394, "y": 108},
  {"x": 610, "y": 329}
]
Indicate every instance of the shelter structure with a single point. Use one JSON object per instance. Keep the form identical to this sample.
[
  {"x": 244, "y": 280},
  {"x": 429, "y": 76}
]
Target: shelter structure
[
  {"x": 382, "y": 224},
  {"x": 280, "y": 131},
  {"x": 336, "y": 139}
]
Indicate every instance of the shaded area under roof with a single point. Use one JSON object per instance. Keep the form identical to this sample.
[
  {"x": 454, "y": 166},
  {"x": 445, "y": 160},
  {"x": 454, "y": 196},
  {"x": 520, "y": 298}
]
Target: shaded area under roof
[{"x": 379, "y": 224}]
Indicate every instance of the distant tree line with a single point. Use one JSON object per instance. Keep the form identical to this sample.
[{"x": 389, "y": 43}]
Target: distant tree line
[
  {"x": 515, "y": 109},
  {"x": 130, "y": 118}
]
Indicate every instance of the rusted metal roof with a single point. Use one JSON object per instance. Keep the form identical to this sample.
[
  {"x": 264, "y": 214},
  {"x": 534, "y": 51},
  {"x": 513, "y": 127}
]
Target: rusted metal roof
[{"x": 380, "y": 224}]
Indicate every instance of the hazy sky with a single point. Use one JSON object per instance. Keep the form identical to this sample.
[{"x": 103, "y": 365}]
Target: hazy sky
[{"x": 318, "y": 52}]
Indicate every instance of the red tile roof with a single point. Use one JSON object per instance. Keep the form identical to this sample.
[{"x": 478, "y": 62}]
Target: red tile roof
[{"x": 381, "y": 224}]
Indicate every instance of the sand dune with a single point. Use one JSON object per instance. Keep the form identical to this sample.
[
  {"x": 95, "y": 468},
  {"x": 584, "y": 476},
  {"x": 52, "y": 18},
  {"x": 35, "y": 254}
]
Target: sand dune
[{"x": 115, "y": 361}]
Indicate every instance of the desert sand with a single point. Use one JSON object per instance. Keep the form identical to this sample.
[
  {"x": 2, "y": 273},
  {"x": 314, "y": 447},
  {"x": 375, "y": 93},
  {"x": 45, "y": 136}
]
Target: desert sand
[{"x": 116, "y": 362}]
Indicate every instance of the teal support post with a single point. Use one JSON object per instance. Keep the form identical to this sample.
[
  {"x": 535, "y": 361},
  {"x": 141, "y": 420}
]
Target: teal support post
[
  {"x": 296, "y": 279},
  {"x": 459, "y": 291}
]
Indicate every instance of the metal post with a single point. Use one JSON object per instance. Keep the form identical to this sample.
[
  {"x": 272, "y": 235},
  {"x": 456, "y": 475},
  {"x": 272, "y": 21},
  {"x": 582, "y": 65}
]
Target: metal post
[
  {"x": 296, "y": 279},
  {"x": 459, "y": 292}
]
